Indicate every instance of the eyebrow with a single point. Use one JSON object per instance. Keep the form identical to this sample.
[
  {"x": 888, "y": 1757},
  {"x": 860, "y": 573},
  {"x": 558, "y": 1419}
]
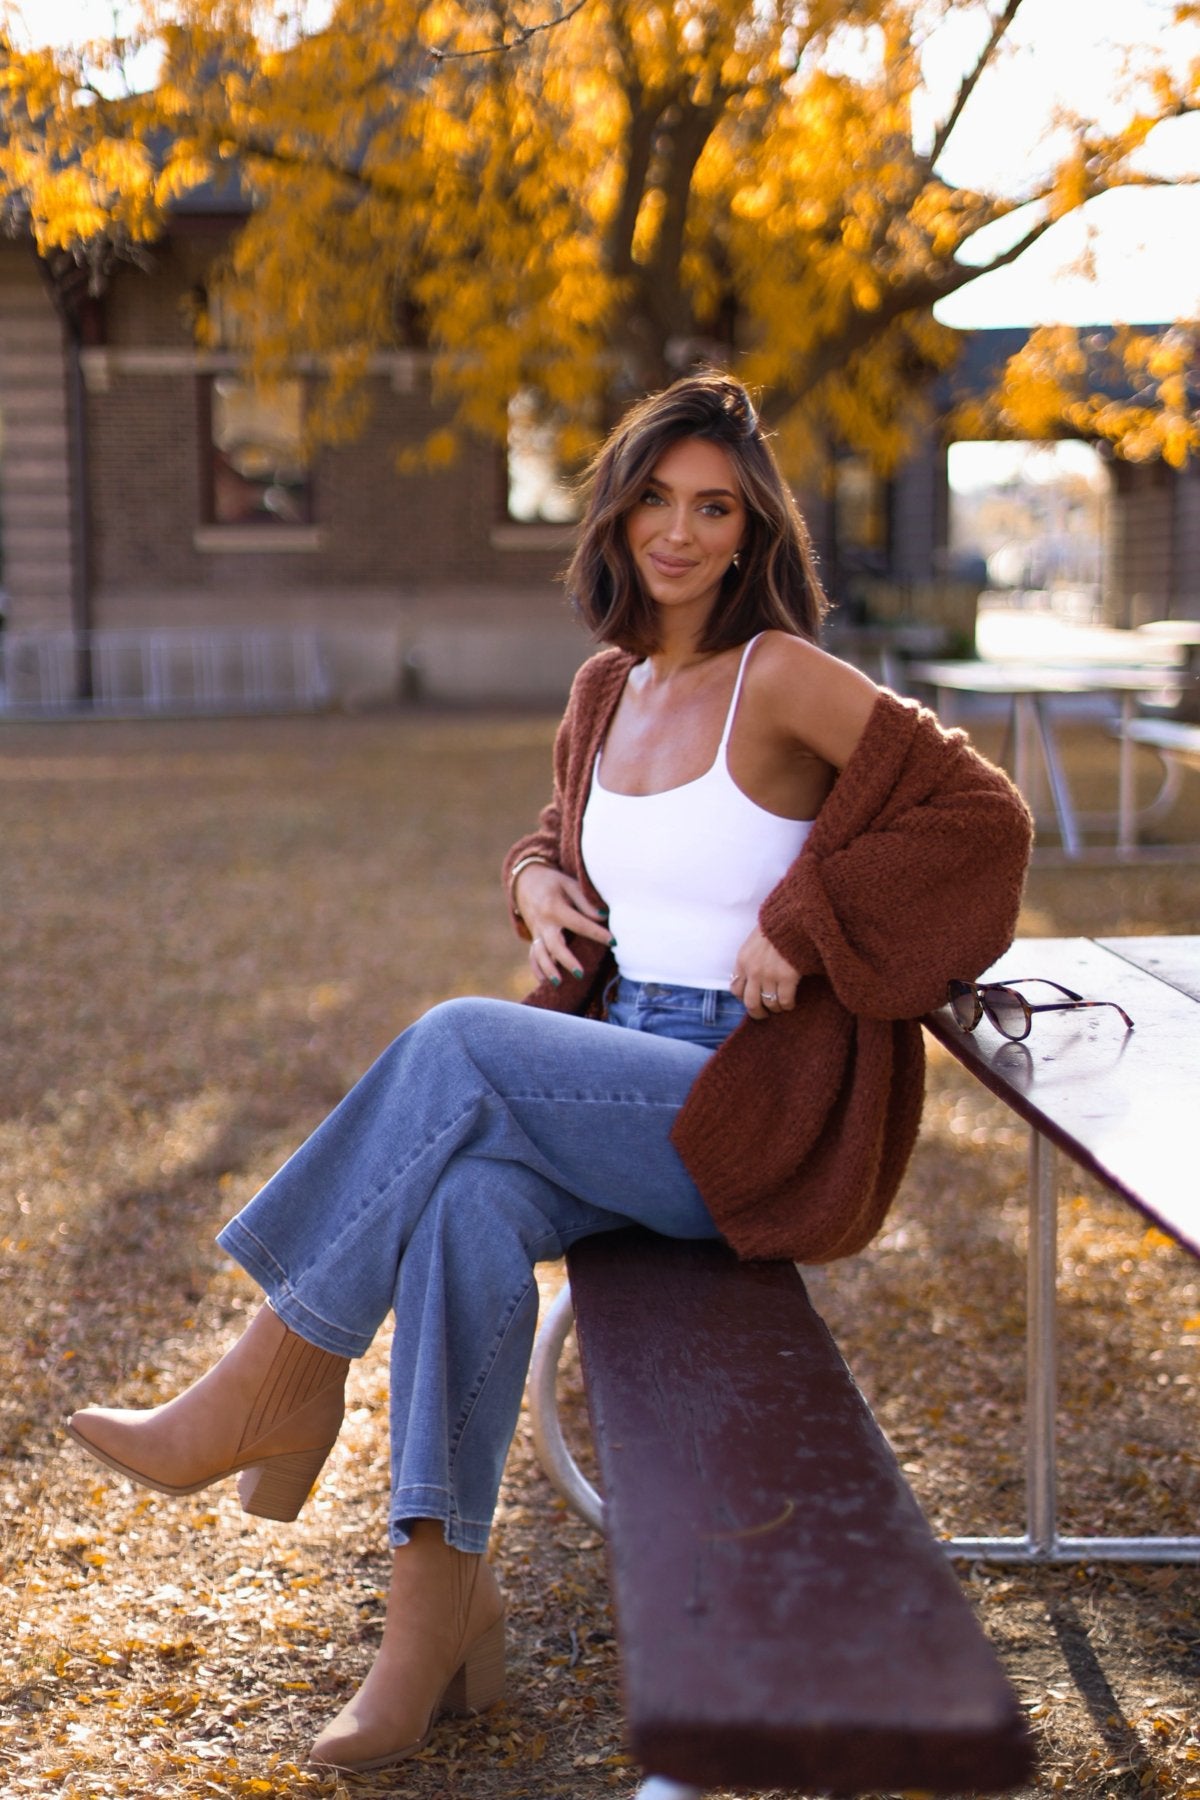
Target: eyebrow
[{"x": 701, "y": 493}]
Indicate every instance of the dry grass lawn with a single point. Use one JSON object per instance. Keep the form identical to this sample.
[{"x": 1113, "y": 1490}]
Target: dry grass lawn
[{"x": 208, "y": 930}]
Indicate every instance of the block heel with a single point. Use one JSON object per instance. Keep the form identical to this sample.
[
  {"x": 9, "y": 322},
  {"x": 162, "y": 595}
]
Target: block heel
[
  {"x": 479, "y": 1680},
  {"x": 277, "y": 1487}
]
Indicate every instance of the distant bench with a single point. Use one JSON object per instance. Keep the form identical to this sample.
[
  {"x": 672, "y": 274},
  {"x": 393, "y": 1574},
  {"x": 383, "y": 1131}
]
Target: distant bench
[
  {"x": 1178, "y": 746},
  {"x": 1171, "y": 737},
  {"x": 784, "y": 1614}
]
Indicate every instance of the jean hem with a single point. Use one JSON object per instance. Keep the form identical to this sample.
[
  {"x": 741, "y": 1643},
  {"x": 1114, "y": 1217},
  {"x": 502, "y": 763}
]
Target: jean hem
[
  {"x": 418, "y": 1502},
  {"x": 260, "y": 1265}
]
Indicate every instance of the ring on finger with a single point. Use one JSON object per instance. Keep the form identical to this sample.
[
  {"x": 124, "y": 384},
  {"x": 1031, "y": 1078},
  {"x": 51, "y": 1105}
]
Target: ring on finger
[{"x": 770, "y": 997}]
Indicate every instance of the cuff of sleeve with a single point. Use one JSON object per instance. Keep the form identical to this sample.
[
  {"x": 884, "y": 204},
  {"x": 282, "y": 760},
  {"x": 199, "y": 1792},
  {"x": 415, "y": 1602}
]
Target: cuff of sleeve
[{"x": 780, "y": 921}]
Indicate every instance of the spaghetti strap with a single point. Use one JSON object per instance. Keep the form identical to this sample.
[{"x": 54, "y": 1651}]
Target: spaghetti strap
[{"x": 737, "y": 689}]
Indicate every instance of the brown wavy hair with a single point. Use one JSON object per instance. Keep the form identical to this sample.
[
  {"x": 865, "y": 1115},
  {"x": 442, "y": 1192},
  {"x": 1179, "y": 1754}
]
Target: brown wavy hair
[{"x": 774, "y": 582}]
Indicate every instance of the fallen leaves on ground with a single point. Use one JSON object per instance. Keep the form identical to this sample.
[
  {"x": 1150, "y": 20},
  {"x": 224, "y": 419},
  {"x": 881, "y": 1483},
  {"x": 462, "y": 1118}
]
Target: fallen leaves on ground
[{"x": 209, "y": 929}]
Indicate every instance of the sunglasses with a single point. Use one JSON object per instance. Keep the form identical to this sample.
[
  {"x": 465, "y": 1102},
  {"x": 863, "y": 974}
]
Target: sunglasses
[{"x": 1010, "y": 1012}]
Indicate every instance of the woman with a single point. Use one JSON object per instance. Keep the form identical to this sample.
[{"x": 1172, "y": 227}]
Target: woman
[{"x": 794, "y": 863}]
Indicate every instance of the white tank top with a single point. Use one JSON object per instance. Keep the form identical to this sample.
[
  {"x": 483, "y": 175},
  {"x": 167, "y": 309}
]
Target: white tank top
[{"x": 685, "y": 871}]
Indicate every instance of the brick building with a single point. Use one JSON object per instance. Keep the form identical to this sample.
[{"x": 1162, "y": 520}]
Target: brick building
[
  {"x": 143, "y": 489},
  {"x": 152, "y": 506}
]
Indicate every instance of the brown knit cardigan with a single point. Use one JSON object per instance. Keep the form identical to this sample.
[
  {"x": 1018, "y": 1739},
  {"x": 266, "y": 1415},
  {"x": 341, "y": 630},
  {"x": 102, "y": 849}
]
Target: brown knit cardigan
[{"x": 798, "y": 1130}]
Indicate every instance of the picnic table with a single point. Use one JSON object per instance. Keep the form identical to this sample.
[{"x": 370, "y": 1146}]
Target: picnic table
[
  {"x": 780, "y": 1605},
  {"x": 1122, "y": 1105},
  {"x": 1029, "y": 689}
]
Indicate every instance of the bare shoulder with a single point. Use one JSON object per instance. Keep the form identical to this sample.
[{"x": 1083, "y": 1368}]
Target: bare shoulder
[
  {"x": 816, "y": 699},
  {"x": 780, "y": 658}
]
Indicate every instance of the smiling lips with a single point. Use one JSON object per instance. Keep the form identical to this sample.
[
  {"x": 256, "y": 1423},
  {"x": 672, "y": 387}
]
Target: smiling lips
[{"x": 669, "y": 565}]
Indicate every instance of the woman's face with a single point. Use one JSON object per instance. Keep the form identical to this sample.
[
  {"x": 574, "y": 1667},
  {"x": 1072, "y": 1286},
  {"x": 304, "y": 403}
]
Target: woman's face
[{"x": 686, "y": 526}]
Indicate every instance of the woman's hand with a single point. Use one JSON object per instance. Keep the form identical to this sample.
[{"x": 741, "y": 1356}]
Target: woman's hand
[
  {"x": 552, "y": 904},
  {"x": 763, "y": 981}
]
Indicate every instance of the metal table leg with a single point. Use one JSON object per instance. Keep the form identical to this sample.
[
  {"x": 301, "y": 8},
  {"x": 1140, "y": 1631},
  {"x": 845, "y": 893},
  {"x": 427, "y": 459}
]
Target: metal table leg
[
  {"x": 1059, "y": 792},
  {"x": 1041, "y": 1372},
  {"x": 1042, "y": 1542},
  {"x": 1126, "y": 809},
  {"x": 1024, "y": 736}
]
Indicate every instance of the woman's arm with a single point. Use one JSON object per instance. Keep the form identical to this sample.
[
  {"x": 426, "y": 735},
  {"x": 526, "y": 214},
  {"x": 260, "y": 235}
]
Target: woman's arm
[
  {"x": 805, "y": 713},
  {"x": 545, "y": 901}
]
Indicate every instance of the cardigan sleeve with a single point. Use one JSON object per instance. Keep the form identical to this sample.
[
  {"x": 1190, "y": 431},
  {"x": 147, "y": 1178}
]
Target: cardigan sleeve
[
  {"x": 555, "y": 839},
  {"x": 545, "y": 842},
  {"x": 913, "y": 872}
]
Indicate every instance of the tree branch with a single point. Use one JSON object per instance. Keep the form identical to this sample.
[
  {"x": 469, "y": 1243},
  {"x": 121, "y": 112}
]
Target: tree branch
[
  {"x": 645, "y": 110},
  {"x": 688, "y": 135},
  {"x": 964, "y": 273},
  {"x": 639, "y": 146},
  {"x": 970, "y": 81},
  {"x": 517, "y": 42},
  {"x": 918, "y": 294},
  {"x": 921, "y": 293}
]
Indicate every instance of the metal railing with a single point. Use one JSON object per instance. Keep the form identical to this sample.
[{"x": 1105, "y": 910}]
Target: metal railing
[{"x": 163, "y": 670}]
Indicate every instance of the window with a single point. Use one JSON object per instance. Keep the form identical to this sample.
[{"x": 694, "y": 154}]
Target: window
[
  {"x": 539, "y": 492},
  {"x": 861, "y": 502},
  {"x": 258, "y": 469}
]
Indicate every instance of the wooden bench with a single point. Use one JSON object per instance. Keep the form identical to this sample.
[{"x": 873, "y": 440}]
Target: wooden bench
[{"x": 784, "y": 1614}]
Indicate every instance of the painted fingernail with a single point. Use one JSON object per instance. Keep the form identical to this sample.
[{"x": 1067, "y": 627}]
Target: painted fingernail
[
  {"x": 556, "y": 981},
  {"x": 612, "y": 943},
  {"x": 578, "y": 974}
]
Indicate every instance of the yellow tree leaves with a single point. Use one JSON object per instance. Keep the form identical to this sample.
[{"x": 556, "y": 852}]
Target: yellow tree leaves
[
  {"x": 1131, "y": 391},
  {"x": 577, "y": 199}
]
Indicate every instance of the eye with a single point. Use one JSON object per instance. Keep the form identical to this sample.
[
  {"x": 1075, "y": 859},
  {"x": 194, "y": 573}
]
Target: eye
[
  {"x": 651, "y": 497},
  {"x": 715, "y": 509}
]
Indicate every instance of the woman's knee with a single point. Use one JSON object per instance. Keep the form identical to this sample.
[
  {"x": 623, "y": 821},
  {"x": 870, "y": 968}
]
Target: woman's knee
[
  {"x": 462, "y": 1021},
  {"x": 493, "y": 1035},
  {"x": 465, "y": 1010}
]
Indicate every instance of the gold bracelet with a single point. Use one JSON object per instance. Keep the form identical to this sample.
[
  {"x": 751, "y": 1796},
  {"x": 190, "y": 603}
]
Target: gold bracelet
[{"x": 512, "y": 880}]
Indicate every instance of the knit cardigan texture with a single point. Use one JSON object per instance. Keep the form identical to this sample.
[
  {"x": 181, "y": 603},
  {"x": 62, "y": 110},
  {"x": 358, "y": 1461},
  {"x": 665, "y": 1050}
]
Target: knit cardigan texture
[{"x": 798, "y": 1129}]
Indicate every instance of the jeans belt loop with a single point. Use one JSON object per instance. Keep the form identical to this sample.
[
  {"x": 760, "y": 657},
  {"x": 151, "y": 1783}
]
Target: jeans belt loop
[{"x": 709, "y": 1010}]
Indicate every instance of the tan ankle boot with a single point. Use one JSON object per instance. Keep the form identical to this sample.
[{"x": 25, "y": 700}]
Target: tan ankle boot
[
  {"x": 442, "y": 1651},
  {"x": 272, "y": 1408}
]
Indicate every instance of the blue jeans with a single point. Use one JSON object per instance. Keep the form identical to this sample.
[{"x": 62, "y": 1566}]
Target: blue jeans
[{"x": 487, "y": 1138}]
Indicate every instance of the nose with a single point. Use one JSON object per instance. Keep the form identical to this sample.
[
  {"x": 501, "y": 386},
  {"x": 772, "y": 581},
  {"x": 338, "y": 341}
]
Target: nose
[{"x": 678, "y": 529}]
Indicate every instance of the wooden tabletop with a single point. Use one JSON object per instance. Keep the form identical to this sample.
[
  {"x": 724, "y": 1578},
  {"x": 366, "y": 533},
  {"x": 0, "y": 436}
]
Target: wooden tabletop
[{"x": 1124, "y": 1104}]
